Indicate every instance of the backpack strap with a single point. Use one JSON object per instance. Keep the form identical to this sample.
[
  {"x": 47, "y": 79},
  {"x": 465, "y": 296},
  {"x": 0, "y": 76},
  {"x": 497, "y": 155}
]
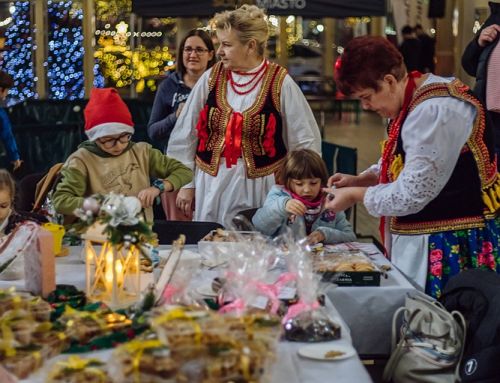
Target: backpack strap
[
  {"x": 46, "y": 184},
  {"x": 461, "y": 321}
]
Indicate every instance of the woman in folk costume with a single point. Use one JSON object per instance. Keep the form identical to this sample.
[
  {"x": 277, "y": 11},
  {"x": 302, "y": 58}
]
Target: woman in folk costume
[
  {"x": 436, "y": 182},
  {"x": 240, "y": 119}
]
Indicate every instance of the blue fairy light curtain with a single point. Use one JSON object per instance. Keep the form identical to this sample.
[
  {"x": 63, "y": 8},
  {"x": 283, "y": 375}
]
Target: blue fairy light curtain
[
  {"x": 17, "y": 59},
  {"x": 64, "y": 64},
  {"x": 65, "y": 50}
]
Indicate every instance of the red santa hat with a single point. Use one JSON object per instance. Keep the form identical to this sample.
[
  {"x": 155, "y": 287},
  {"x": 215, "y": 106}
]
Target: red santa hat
[{"x": 106, "y": 114}]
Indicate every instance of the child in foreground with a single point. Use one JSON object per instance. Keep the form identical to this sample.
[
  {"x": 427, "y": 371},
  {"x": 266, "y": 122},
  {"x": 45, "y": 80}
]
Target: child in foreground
[
  {"x": 110, "y": 162},
  {"x": 303, "y": 177},
  {"x": 9, "y": 218}
]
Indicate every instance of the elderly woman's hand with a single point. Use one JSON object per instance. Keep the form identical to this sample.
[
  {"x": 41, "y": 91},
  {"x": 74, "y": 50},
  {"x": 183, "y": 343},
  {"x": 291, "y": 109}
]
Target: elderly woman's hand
[
  {"x": 340, "y": 180},
  {"x": 185, "y": 200},
  {"x": 343, "y": 198},
  {"x": 488, "y": 35}
]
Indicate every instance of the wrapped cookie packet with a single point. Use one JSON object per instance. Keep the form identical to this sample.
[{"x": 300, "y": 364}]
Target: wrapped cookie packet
[
  {"x": 79, "y": 370},
  {"x": 307, "y": 320}
]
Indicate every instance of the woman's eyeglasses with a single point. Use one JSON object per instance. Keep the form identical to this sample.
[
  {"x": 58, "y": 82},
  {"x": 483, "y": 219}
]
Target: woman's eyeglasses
[
  {"x": 198, "y": 50},
  {"x": 111, "y": 142}
]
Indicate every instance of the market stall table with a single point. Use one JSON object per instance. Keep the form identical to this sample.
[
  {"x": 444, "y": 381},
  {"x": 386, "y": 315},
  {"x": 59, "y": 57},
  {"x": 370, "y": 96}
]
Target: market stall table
[
  {"x": 289, "y": 366},
  {"x": 368, "y": 311}
]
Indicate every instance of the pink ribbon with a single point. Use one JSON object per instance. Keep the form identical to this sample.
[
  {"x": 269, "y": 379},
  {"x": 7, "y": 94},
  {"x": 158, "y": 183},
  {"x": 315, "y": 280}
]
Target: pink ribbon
[
  {"x": 270, "y": 291},
  {"x": 169, "y": 292},
  {"x": 237, "y": 305},
  {"x": 284, "y": 279},
  {"x": 297, "y": 308}
]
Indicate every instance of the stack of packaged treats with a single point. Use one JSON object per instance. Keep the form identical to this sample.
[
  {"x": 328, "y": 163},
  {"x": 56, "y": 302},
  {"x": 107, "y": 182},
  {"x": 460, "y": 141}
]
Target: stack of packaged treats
[
  {"x": 194, "y": 345},
  {"x": 79, "y": 370},
  {"x": 27, "y": 338}
]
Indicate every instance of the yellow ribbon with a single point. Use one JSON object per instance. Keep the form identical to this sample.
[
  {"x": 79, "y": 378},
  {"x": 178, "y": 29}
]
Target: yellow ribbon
[
  {"x": 136, "y": 348},
  {"x": 6, "y": 322},
  {"x": 179, "y": 314},
  {"x": 75, "y": 363},
  {"x": 10, "y": 293},
  {"x": 73, "y": 313}
]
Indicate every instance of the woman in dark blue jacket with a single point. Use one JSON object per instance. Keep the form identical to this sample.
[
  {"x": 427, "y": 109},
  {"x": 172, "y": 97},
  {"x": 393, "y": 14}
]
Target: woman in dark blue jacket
[{"x": 195, "y": 55}]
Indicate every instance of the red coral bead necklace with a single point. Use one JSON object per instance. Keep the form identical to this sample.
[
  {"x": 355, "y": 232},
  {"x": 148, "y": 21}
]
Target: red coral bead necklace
[{"x": 256, "y": 77}]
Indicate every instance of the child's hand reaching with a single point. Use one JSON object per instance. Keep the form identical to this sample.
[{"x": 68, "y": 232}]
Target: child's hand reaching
[
  {"x": 147, "y": 196},
  {"x": 295, "y": 207},
  {"x": 315, "y": 237}
]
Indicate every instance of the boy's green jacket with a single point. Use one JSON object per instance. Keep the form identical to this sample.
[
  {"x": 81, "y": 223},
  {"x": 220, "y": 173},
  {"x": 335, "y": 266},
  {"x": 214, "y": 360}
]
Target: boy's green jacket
[{"x": 90, "y": 170}]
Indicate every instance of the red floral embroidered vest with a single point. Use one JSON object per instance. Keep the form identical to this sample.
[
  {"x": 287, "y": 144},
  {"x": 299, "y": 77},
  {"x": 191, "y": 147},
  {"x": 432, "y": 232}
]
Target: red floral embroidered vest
[{"x": 256, "y": 134}]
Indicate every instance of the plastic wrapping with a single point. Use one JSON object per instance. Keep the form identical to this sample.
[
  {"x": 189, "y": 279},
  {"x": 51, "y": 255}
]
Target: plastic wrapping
[
  {"x": 20, "y": 243},
  {"x": 143, "y": 360},
  {"x": 306, "y": 321},
  {"x": 79, "y": 370},
  {"x": 247, "y": 284},
  {"x": 207, "y": 346}
]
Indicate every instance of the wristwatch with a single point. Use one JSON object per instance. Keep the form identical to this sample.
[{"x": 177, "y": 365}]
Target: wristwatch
[{"x": 158, "y": 183}]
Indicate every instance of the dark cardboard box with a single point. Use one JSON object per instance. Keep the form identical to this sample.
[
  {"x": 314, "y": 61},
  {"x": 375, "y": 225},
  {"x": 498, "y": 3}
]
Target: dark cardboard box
[{"x": 352, "y": 278}]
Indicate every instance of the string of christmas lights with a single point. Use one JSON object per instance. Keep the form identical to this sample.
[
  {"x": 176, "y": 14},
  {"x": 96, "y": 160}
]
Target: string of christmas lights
[
  {"x": 65, "y": 51},
  {"x": 17, "y": 60},
  {"x": 116, "y": 65}
]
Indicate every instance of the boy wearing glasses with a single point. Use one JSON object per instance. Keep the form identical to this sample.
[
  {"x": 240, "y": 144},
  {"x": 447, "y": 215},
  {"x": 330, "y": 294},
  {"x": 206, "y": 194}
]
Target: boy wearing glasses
[{"x": 110, "y": 162}]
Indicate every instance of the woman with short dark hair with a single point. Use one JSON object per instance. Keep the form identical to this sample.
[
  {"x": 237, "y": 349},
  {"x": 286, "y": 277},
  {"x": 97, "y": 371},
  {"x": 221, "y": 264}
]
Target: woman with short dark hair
[{"x": 436, "y": 183}]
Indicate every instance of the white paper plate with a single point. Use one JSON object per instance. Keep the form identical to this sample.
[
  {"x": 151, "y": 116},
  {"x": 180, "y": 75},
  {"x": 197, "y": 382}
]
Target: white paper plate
[
  {"x": 318, "y": 351},
  {"x": 206, "y": 291}
]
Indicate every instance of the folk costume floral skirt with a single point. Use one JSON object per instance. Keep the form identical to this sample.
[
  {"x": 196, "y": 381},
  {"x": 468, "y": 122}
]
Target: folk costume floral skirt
[{"x": 453, "y": 251}]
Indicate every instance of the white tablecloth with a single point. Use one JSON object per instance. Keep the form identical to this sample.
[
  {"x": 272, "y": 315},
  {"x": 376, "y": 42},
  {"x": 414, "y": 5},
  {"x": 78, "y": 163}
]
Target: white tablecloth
[
  {"x": 289, "y": 366},
  {"x": 368, "y": 311}
]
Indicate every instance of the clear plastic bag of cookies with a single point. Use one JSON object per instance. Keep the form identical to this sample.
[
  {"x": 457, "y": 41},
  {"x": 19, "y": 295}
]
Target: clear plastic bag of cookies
[{"x": 307, "y": 320}]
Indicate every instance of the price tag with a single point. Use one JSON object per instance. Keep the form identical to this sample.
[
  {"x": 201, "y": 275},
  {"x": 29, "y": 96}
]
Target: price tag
[
  {"x": 260, "y": 302},
  {"x": 287, "y": 293}
]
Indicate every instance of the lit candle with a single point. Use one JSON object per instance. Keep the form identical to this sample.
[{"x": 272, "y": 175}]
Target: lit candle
[
  {"x": 108, "y": 273},
  {"x": 119, "y": 273},
  {"x": 88, "y": 259}
]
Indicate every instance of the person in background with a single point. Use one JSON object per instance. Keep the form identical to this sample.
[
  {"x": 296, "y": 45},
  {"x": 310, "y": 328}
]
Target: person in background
[
  {"x": 428, "y": 49},
  {"x": 304, "y": 175},
  {"x": 195, "y": 55},
  {"x": 6, "y": 135},
  {"x": 9, "y": 218},
  {"x": 475, "y": 62},
  {"x": 436, "y": 186},
  {"x": 240, "y": 120},
  {"x": 110, "y": 162},
  {"x": 411, "y": 49}
]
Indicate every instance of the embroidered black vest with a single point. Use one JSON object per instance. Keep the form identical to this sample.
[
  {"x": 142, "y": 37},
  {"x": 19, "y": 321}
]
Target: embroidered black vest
[
  {"x": 262, "y": 145},
  {"x": 472, "y": 192}
]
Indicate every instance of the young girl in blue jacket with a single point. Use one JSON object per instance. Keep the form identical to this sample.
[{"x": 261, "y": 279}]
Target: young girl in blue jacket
[{"x": 300, "y": 198}]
